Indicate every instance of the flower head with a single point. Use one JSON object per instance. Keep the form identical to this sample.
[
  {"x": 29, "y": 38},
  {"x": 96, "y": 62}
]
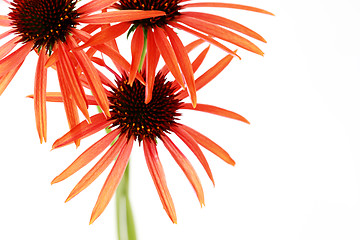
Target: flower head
[
  {"x": 131, "y": 120},
  {"x": 50, "y": 28},
  {"x": 161, "y": 38}
]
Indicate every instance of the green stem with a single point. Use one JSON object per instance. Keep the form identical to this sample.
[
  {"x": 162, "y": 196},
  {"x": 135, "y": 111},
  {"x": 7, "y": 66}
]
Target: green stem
[{"x": 143, "y": 51}]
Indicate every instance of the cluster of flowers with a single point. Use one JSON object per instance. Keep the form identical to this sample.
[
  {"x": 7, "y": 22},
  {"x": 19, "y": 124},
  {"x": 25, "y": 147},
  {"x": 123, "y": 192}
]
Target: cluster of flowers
[{"x": 142, "y": 104}]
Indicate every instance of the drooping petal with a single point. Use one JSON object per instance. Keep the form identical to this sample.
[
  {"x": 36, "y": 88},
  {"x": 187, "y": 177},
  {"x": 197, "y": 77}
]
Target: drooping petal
[
  {"x": 209, "y": 145},
  {"x": 99, "y": 167},
  {"x": 216, "y": 110},
  {"x": 194, "y": 147},
  {"x": 184, "y": 62},
  {"x": 219, "y": 32},
  {"x": 67, "y": 68},
  {"x": 94, "y": 6},
  {"x": 39, "y": 95},
  {"x": 92, "y": 152},
  {"x": 226, "y": 5},
  {"x": 7, "y": 77},
  {"x": 208, "y": 75},
  {"x": 5, "y": 34},
  {"x": 15, "y": 58},
  {"x": 5, "y": 21},
  {"x": 57, "y": 97},
  {"x": 151, "y": 63},
  {"x": 119, "y": 61},
  {"x": 112, "y": 181},
  {"x": 225, "y": 23},
  {"x": 191, "y": 46},
  {"x": 157, "y": 173},
  {"x": 206, "y": 38},
  {"x": 168, "y": 54},
  {"x": 137, "y": 45},
  {"x": 71, "y": 111},
  {"x": 106, "y": 35},
  {"x": 92, "y": 77},
  {"x": 83, "y": 129},
  {"x": 8, "y": 46},
  {"x": 185, "y": 166},
  {"x": 120, "y": 16}
]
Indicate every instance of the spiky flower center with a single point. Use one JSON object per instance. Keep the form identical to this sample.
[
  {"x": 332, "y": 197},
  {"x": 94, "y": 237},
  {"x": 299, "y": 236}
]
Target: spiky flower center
[
  {"x": 136, "y": 118},
  {"x": 170, "y": 7},
  {"x": 43, "y": 21}
]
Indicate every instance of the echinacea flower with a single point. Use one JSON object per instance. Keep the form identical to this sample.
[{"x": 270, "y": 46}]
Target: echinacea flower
[
  {"x": 134, "y": 120},
  {"x": 49, "y": 26},
  {"x": 161, "y": 39}
]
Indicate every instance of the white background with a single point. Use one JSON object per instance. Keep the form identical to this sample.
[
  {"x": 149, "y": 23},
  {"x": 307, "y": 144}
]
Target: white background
[{"x": 297, "y": 171}]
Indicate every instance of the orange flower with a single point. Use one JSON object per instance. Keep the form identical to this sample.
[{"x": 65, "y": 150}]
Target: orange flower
[
  {"x": 132, "y": 119},
  {"x": 47, "y": 26},
  {"x": 159, "y": 29}
]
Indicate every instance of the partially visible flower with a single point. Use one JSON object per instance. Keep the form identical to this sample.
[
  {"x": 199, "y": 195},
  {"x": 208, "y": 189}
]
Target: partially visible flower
[
  {"x": 134, "y": 120},
  {"x": 49, "y": 26},
  {"x": 161, "y": 38}
]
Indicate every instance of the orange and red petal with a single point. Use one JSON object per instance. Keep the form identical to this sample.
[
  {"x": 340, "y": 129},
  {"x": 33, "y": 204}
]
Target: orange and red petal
[
  {"x": 225, "y": 23},
  {"x": 209, "y": 145},
  {"x": 226, "y": 5},
  {"x": 5, "y": 21},
  {"x": 157, "y": 173},
  {"x": 215, "y": 110},
  {"x": 120, "y": 16},
  {"x": 39, "y": 95},
  {"x": 137, "y": 45},
  {"x": 15, "y": 58},
  {"x": 184, "y": 62},
  {"x": 7, "y": 77},
  {"x": 168, "y": 54},
  {"x": 83, "y": 130},
  {"x": 219, "y": 32},
  {"x": 152, "y": 60},
  {"x": 194, "y": 147},
  {"x": 99, "y": 167},
  {"x": 208, "y": 75},
  {"x": 92, "y": 152},
  {"x": 185, "y": 166},
  {"x": 94, "y": 5},
  {"x": 112, "y": 180}
]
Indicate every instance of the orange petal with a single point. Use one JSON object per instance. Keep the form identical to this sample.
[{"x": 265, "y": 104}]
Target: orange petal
[
  {"x": 185, "y": 166},
  {"x": 87, "y": 156},
  {"x": 7, "y": 77},
  {"x": 219, "y": 32},
  {"x": 82, "y": 130},
  {"x": 206, "y": 38},
  {"x": 92, "y": 77},
  {"x": 5, "y": 21},
  {"x": 225, "y": 23},
  {"x": 119, "y": 61},
  {"x": 226, "y": 5},
  {"x": 184, "y": 62},
  {"x": 57, "y": 97},
  {"x": 215, "y": 110},
  {"x": 94, "y": 6},
  {"x": 15, "y": 58},
  {"x": 151, "y": 63},
  {"x": 112, "y": 181},
  {"x": 5, "y": 34},
  {"x": 120, "y": 16},
  {"x": 99, "y": 167},
  {"x": 208, "y": 75},
  {"x": 157, "y": 173},
  {"x": 191, "y": 46},
  {"x": 137, "y": 45},
  {"x": 8, "y": 46},
  {"x": 39, "y": 95},
  {"x": 106, "y": 35},
  {"x": 194, "y": 147},
  {"x": 209, "y": 145},
  {"x": 168, "y": 54},
  {"x": 72, "y": 79},
  {"x": 69, "y": 103}
]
